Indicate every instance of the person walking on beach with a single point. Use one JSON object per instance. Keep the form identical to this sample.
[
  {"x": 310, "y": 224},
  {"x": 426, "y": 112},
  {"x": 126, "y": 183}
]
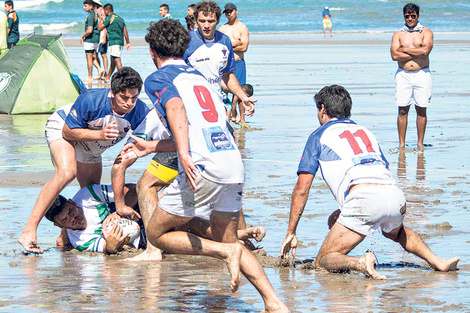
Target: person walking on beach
[
  {"x": 13, "y": 21},
  {"x": 411, "y": 47},
  {"x": 79, "y": 133},
  {"x": 90, "y": 40},
  {"x": 165, "y": 11},
  {"x": 240, "y": 38},
  {"x": 117, "y": 32},
  {"x": 327, "y": 21},
  {"x": 210, "y": 182},
  {"x": 356, "y": 171},
  {"x": 211, "y": 53}
]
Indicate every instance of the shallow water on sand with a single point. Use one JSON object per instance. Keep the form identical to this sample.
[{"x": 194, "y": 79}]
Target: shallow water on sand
[{"x": 285, "y": 78}]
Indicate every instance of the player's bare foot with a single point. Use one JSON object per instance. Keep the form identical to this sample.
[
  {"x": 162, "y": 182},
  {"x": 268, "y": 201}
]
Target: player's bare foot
[
  {"x": 278, "y": 308},
  {"x": 100, "y": 74},
  {"x": 448, "y": 265},
  {"x": 232, "y": 260},
  {"x": 255, "y": 232},
  {"x": 28, "y": 241},
  {"x": 87, "y": 80},
  {"x": 148, "y": 255},
  {"x": 368, "y": 261}
]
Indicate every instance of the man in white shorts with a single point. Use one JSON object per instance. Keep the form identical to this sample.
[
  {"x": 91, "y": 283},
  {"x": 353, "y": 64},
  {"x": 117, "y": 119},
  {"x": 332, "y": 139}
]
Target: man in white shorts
[
  {"x": 210, "y": 182},
  {"x": 411, "y": 47},
  {"x": 77, "y": 136},
  {"x": 356, "y": 172},
  {"x": 91, "y": 40},
  {"x": 117, "y": 32}
]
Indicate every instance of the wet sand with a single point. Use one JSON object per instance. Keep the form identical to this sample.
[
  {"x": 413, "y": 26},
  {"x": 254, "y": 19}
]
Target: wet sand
[{"x": 436, "y": 184}]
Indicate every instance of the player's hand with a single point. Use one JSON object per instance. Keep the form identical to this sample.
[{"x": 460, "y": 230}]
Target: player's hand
[
  {"x": 189, "y": 169},
  {"x": 290, "y": 243},
  {"x": 128, "y": 212},
  {"x": 249, "y": 105},
  {"x": 110, "y": 218},
  {"x": 128, "y": 47},
  {"x": 114, "y": 238},
  {"x": 110, "y": 131},
  {"x": 29, "y": 243},
  {"x": 333, "y": 217},
  {"x": 137, "y": 149}
]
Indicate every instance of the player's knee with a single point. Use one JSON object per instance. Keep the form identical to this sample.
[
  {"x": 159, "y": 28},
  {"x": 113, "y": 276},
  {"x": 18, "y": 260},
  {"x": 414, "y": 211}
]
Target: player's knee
[{"x": 66, "y": 175}]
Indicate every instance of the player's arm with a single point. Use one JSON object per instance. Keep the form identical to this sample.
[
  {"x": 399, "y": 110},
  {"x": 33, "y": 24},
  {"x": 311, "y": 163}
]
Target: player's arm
[
  {"x": 10, "y": 25},
  {"x": 178, "y": 121},
  {"x": 113, "y": 240},
  {"x": 118, "y": 178},
  {"x": 126, "y": 36},
  {"x": 395, "y": 49},
  {"x": 233, "y": 85},
  {"x": 109, "y": 132},
  {"x": 88, "y": 32},
  {"x": 298, "y": 201},
  {"x": 425, "y": 48}
]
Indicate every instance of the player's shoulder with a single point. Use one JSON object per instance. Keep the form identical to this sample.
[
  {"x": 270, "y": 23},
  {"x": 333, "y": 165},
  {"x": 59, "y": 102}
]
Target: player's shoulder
[{"x": 221, "y": 37}]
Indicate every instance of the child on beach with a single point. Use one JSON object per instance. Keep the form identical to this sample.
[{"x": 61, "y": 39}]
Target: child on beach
[{"x": 240, "y": 120}]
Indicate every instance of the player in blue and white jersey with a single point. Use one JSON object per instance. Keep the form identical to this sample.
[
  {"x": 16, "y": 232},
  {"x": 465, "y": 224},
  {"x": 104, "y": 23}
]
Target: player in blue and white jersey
[
  {"x": 210, "y": 182},
  {"x": 98, "y": 119},
  {"x": 84, "y": 217},
  {"x": 211, "y": 53},
  {"x": 356, "y": 171}
]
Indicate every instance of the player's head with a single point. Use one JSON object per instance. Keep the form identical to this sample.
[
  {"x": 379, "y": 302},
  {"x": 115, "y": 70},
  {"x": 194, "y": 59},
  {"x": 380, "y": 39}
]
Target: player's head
[
  {"x": 190, "y": 22},
  {"x": 168, "y": 39},
  {"x": 88, "y": 5},
  {"x": 336, "y": 101},
  {"x": 126, "y": 84},
  {"x": 66, "y": 214},
  {"x": 97, "y": 4},
  {"x": 108, "y": 9},
  {"x": 164, "y": 9},
  {"x": 207, "y": 17},
  {"x": 191, "y": 9},
  {"x": 411, "y": 8},
  {"x": 248, "y": 89},
  {"x": 8, "y": 6}
]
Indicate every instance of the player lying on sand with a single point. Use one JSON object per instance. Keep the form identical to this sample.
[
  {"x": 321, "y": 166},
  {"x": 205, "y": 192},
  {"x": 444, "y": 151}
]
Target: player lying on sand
[
  {"x": 356, "y": 171},
  {"x": 84, "y": 218}
]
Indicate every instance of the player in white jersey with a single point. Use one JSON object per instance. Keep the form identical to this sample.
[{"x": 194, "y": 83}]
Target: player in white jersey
[
  {"x": 356, "y": 172},
  {"x": 84, "y": 217},
  {"x": 204, "y": 187},
  {"x": 211, "y": 53}
]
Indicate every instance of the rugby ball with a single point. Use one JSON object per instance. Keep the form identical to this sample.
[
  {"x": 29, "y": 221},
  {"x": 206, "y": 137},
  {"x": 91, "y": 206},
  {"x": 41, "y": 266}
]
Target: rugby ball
[{"x": 130, "y": 229}]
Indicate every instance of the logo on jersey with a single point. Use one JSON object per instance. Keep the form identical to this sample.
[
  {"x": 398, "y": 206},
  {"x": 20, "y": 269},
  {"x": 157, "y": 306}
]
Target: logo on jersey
[
  {"x": 224, "y": 51},
  {"x": 217, "y": 139},
  {"x": 5, "y": 80}
]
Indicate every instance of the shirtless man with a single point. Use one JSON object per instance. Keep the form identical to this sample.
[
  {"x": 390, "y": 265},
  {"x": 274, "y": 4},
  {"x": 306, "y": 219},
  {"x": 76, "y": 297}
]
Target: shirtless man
[
  {"x": 411, "y": 46},
  {"x": 239, "y": 35}
]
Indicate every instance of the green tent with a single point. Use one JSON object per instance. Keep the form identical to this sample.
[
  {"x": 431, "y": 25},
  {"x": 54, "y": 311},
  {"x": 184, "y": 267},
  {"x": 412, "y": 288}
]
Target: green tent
[{"x": 35, "y": 76}]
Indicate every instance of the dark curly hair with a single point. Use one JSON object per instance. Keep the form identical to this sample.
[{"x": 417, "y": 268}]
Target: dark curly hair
[
  {"x": 167, "y": 38},
  {"x": 125, "y": 78},
  {"x": 336, "y": 100},
  {"x": 56, "y": 207},
  {"x": 208, "y": 7}
]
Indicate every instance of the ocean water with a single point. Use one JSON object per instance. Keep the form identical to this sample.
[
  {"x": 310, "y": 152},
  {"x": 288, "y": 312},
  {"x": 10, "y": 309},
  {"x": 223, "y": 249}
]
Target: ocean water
[{"x": 261, "y": 16}]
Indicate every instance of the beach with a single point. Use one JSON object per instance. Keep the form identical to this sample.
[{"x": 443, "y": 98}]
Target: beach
[{"x": 285, "y": 77}]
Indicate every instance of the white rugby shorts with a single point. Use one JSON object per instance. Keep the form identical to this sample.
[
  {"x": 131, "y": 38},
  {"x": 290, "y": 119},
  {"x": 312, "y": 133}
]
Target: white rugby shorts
[
  {"x": 369, "y": 207},
  {"x": 413, "y": 87},
  {"x": 53, "y": 132},
  {"x": 179, "y": 199},
  {"x": 88, "y": 46},
  {"x": 115, "y": 51}
]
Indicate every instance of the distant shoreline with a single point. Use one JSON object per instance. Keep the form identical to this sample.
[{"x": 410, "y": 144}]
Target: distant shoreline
[{"x": 276, "y": 42}]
